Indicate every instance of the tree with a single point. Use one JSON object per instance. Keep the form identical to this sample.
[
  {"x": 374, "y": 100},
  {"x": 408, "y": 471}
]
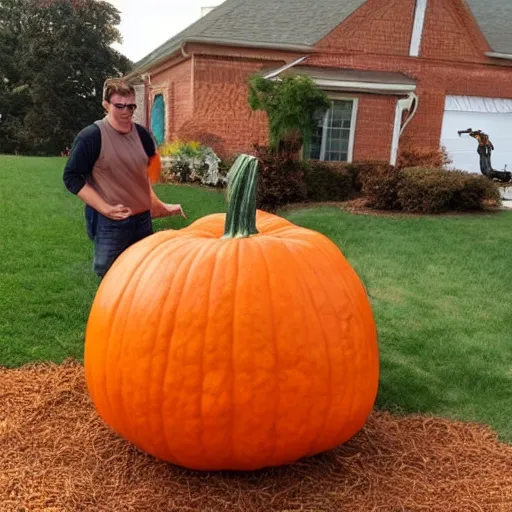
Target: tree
[
  {"x": 292, "y": 104},
  {"x": 55, "y": 56}
]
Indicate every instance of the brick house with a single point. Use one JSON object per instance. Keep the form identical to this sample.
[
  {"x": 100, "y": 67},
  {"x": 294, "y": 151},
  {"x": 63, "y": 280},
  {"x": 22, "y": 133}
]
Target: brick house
[{"x": 401, "y": 73}]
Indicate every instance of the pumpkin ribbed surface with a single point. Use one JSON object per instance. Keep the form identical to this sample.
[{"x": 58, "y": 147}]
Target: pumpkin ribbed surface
[{"x": 232, "y": 353}]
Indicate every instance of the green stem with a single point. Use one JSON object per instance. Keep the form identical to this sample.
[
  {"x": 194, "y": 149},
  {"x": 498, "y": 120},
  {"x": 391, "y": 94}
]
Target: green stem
[{"x": 241, "y": 216}]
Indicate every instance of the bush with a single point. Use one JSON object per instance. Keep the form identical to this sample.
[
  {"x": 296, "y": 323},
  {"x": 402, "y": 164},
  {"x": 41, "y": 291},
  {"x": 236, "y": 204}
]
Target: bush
[
  {"x": 476, "y": 191},
  {"x": 327, "y": 181},
  {"x": 360, "y": 171},
  {"x": 281, "y": 180},
  {"x": 191, "y": 161},
  {"x": 199, "y": 131},
  {"x": 429, "y": 190},
  {"x": 426, "y": 190},
  {"x": 438, "y": 190},
  {"x": 380, "y": 187},
  {"x": 412, "y": 157}
]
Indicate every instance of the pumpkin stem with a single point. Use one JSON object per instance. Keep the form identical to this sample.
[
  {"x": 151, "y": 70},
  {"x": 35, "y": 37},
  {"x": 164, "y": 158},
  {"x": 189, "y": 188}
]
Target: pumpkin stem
[{"x": 242, "y": 183}]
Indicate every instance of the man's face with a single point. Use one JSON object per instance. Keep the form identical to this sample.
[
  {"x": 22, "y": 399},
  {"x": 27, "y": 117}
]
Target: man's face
[{"x": 121, "y": 108}]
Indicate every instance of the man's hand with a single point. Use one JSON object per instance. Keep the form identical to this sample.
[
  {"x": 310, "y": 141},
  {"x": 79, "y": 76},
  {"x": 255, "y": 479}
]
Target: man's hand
[
  {"x": 117, "y": 212},
  {"x": 167, "y": 210}
]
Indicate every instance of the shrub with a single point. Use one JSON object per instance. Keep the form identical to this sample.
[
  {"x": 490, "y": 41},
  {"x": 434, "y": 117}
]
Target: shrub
[
  {"x": 359, "y": 171},
  {"x": 327, "y": 181},
  {"x": 281, "y": 180},
  {"x": 380, "y": 187},
  {"x": 426, "y": 190},
  {"x": 190, "y": 161},
  {"x": 476, "y": 191},
  {"x": 412, "y": 157},
  {"x": 437, "y": 190},
  {"x": 199, "y": 131}
]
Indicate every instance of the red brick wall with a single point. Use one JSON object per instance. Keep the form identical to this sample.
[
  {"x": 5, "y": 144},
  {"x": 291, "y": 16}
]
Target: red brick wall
[
  {"x": 451, "y": 32},
  {"x": 209, "y": 93},
  {"x": 374, "y": 127},
  {"x": 220, "y": 101},
  {"x": 452, "y": 62},
  {"x": 175, "y": 83},
  {"x": 382, "y": 27}
]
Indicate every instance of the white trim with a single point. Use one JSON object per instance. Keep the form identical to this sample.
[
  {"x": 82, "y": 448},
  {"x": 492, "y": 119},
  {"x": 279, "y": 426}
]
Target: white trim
[
  {"x": 152, "y": 64},
  {"x": 353, "y": 123},
  {"x": 352, "y": 136},
  {"x": 364, "y": 86},
  {"x": 401, "y": 105},
  {"x": 323, "y": 144},
  {"x": 417, "y": 29},
  {"x": 284, "y": 68},
  {"x": 478, "y": 104},
  {"x": 498, "y": 55}
]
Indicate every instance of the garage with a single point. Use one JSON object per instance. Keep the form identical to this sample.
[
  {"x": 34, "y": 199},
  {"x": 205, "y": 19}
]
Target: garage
[{"x": 491, "y": 115}]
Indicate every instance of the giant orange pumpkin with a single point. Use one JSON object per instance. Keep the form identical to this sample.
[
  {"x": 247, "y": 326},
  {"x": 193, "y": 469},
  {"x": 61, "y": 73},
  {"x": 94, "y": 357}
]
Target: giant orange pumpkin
[{"x": 239, "y": 342}]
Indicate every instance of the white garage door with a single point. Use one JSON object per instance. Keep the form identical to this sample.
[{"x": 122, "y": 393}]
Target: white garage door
[{"x": 492, "y": 116}]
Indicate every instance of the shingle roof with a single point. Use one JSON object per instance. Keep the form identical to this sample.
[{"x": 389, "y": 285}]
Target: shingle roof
[
  {"x": 279, "y": 22},
  {"x": 495, "y": 20},
  {"x": 296, "y": 23}
]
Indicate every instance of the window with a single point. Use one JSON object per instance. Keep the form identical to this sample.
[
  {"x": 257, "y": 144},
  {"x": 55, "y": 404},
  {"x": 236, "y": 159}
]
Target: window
[{"x": 333, "y": 136}]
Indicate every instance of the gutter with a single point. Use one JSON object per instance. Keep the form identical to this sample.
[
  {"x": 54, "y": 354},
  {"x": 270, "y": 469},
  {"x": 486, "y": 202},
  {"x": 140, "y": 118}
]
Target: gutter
[
  {"x": 381, "y": 88},
  {"x": 219, "y": 42},
  {"x": 498, "y": 55},
  {"x": 277, "y": 72}
]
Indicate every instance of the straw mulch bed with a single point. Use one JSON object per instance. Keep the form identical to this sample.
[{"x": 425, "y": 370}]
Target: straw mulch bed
[{"x": 57, "y": 456}]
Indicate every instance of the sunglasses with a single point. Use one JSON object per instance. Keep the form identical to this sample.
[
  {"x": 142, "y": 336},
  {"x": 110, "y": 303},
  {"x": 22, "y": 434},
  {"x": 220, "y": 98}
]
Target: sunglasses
[{"x": 121, "y": 106}]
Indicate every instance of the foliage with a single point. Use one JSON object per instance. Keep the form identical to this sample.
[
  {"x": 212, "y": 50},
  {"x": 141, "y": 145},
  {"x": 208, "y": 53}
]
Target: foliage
[
  {"x": 413, "y": 157},
  {"x": 437, "y": 190},
  {"x": 361, "y": 171},
  {"x": 291, "y": 104},
  {"x": 200, "y": 131},
  {"x": 327, "y": 181},
  {"x": 190, "y": 161},
  {"x": 281, "y": 180},
  {"x": 381, "y": 188},
  {"x": 54, "y": 56},
  {"x": 428, "y": 190},
  {"x": 191, "y": 149}
]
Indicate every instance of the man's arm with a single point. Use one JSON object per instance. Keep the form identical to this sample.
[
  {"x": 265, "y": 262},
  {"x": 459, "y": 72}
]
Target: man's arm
[
  {"x": 84, "y": 153},
  {"x": 160, "y": 209}
]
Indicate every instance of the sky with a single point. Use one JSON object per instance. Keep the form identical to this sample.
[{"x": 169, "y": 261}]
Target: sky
[{"x": 146, "y": 24}]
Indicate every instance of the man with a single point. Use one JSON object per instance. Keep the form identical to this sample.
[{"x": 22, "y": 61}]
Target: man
[{"x": 107, "y": 169}]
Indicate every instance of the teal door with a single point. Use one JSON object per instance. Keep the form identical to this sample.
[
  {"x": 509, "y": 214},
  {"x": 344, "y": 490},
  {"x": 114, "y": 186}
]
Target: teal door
[{"x": 158, "y": 119}]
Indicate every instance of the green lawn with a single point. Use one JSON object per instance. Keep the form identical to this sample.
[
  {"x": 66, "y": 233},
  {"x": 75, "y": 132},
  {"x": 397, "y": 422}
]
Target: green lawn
[
  {"x": 46, "y": 278},
  {"x": 440, "y": 288}
]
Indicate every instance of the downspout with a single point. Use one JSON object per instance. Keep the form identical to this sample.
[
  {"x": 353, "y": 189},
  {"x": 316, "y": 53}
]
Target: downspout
[
  {"x": 183, "y": 52},
  {"x": 401, "y": 106}
]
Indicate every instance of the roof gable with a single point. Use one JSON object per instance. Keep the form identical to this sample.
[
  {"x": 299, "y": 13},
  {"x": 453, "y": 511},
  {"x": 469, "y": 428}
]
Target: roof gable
[
  {"x": 281, "y": 22},
  {"x": 294, "y": 23},
  {"x": 495, "y": 20}
]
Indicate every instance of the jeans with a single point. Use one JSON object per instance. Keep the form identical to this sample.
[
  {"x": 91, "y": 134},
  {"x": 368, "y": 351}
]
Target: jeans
[{"x": 112, "y": 237}]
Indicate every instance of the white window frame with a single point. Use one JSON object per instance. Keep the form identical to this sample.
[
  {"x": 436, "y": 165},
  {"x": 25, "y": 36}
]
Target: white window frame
[{"x": 353, "y": 122}]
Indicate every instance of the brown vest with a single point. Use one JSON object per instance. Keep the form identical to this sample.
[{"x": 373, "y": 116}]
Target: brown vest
[{"x": 120, "y": 173}]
